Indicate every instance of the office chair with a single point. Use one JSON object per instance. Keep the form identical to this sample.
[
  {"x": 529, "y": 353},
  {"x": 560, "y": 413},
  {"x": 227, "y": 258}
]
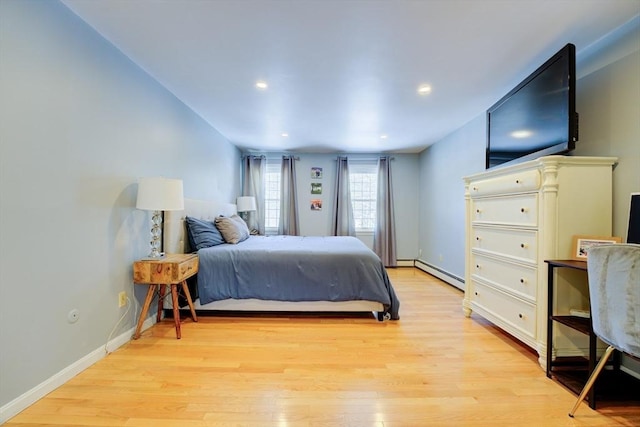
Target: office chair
[{"x": 614, "y": 293}]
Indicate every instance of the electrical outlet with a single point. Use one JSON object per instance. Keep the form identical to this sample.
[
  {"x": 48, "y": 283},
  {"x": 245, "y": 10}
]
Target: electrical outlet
[{"x": 122, "y": 299}]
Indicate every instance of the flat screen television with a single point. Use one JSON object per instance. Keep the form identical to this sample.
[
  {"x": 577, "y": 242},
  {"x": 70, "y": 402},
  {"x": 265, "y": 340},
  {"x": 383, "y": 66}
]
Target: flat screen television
[{"x": 537, "y": 117}]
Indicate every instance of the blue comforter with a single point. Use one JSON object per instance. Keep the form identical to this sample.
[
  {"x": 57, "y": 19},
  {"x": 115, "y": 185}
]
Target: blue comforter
[{"x": 295, "y": 268}]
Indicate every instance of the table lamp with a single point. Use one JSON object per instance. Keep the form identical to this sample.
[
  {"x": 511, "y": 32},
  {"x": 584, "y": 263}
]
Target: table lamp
[
  {"x": 245, "y": 204},
  {"x": 159, "y": 194}
]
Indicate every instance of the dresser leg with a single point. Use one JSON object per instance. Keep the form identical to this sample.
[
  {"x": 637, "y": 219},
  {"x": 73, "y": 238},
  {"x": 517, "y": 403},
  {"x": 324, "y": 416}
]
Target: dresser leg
[{"x": 145, "y": 309}]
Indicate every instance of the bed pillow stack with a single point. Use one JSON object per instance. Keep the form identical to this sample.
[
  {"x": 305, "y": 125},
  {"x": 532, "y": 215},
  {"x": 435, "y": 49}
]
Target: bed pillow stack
[
  {"x": 202, "y": 234},
  {"x": 233, "y": 228}
]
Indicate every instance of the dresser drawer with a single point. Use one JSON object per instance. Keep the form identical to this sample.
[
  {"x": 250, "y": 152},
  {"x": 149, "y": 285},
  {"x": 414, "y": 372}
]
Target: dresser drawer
[
  {"x": 515, "y": 210},
  {"x": 514, "y": 278},
  {"x": 515, "y": 312},
  {"x": 512, "y": 243},
  {"x": 516, "y": 182}
]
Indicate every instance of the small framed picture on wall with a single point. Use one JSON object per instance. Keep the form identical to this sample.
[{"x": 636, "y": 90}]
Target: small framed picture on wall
[
  {"x": 316, "y": 188},
  {"x": 316, "y": 173},
  {"x": 316, "y": 204}
]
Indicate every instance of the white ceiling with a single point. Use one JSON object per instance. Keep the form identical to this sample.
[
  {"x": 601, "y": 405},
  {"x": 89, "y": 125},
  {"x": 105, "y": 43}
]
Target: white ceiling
[{"x": 343, "y": 73}]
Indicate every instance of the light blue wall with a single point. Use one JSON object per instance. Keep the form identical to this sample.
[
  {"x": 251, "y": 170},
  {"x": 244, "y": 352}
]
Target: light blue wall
[
  {"x": 405, "y": 172},
  {"x": 79, "y": 124},
  {"x": 442, "y": 166},
  {"x": 608, "y": 101}
]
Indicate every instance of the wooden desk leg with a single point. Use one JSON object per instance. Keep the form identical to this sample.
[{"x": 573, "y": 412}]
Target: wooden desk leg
[
  {"x": 176, "y": 309},
  {"x": 145, "y": 309},
  {"x": 187, "y": 294},
  {"x": 163, "y": 289}
]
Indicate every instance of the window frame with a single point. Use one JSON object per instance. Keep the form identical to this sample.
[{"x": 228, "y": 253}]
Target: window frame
[
  {"x": 272, "y": 196},
  {"x": 366, "y": 187}
]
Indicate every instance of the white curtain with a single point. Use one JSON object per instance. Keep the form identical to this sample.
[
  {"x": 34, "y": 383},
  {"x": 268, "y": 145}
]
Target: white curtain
[
  {"x": 288, "y": 224},
  {"x": 343, "y": 223},
  {"x": 253, "y": 185},
  {"x": 384, "y": 237}
]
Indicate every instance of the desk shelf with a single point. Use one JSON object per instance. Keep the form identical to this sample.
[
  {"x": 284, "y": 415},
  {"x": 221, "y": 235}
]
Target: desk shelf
[{"x": 578, "y": 323}]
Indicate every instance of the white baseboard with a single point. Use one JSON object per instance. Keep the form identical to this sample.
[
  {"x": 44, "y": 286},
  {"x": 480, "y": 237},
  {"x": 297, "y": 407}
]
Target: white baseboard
[
  {"x": 405, "y": 263},
  {"x": 30, "y": 397},
  {"x": 440, "y": 274}
]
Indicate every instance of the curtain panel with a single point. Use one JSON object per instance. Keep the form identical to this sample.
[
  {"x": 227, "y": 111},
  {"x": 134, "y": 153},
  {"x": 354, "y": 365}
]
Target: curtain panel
[
  {"x": 343, "y": 223},
  {"x": 288, "y": 224},
  {"x": 384, "y": 237},
  {"x": 253, "y": 185}
]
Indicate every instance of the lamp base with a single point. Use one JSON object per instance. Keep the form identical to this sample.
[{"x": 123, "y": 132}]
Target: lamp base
[
  {"x": 152, "y": 257},
  {"x": 156, "y": 232}
]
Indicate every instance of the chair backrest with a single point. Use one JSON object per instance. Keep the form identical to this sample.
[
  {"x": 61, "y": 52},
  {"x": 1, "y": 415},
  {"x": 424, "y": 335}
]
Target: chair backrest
[{"x": 614, "y": 292}]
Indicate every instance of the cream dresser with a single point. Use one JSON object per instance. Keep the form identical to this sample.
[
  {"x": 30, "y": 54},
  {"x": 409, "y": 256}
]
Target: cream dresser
[{"x": 516, "y": 217}]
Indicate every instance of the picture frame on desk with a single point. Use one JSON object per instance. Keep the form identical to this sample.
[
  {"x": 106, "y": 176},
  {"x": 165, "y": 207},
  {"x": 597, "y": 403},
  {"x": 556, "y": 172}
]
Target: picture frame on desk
[{"x": 582, "y": 243}]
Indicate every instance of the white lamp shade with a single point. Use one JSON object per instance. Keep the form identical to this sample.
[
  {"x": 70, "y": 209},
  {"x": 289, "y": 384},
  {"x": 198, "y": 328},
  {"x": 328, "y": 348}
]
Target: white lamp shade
[
  {"x": 160, "y": 194},
  {"x": 246, "y": 203}
]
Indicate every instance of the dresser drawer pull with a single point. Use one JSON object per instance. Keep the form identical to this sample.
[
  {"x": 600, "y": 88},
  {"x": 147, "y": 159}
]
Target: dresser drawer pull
[
  {"x": 476, "y": 292},
  {"x": 478, "y": 266},
  {"x": 523, "y": 210},
  {"x": 522, "y": 281},
  {"x": 523, "y": 245},
  {"x": 478, "y": 211},
  {"x": 520, "y": 315},
  {"x": 478, "y": 238},
  {"x": 475, "y": 188},
  {"x": 517, "y": 181}
]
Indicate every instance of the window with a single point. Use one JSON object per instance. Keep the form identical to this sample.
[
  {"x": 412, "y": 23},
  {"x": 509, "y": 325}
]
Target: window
[
  {"x": 272, "y": 195},
  {"x": 363, "y": 182}
]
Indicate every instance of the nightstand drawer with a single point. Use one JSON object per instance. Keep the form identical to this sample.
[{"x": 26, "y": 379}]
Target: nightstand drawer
[{"x": 173, "y": 268}]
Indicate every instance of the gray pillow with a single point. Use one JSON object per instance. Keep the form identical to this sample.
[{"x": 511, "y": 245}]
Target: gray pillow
[
  {"x": 202, "y": 234},
  {"x": 233, "y": 228}
]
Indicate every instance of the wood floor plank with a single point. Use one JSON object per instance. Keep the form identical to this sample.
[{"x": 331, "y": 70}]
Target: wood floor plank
[{"x": 434, "y": 367}]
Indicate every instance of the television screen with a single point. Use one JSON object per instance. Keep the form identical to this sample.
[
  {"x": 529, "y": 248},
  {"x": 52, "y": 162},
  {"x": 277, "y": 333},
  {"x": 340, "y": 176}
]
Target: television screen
[{"x": 538, "y": 116}]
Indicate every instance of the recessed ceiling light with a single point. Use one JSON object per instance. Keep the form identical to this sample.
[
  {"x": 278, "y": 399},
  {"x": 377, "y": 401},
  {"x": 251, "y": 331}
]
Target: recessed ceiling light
[
  {"x": 261, "y": 84},
  {"x": 424, "y": 89},
  {"x": 384, "y": 136},
  {"x": 284, "y": 134}
]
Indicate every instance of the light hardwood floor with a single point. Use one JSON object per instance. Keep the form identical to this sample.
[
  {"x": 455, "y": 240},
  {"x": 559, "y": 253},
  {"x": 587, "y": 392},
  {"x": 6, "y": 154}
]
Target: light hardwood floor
[{"x": 434, "y": 367}]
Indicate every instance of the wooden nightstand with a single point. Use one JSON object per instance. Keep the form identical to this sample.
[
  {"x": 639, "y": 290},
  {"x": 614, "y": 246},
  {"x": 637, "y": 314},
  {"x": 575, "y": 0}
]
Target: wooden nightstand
[{"x": 172, "y": 270}]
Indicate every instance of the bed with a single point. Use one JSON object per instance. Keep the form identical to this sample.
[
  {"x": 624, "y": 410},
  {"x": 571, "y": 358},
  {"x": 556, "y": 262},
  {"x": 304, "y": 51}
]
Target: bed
[{"x": 282, "y": 273}]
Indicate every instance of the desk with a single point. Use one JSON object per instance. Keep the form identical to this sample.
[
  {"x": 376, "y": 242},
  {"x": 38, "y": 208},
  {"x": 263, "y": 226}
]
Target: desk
[
  {"x": 567, "y": 376},
  {"x": 173, "y": 270}
]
